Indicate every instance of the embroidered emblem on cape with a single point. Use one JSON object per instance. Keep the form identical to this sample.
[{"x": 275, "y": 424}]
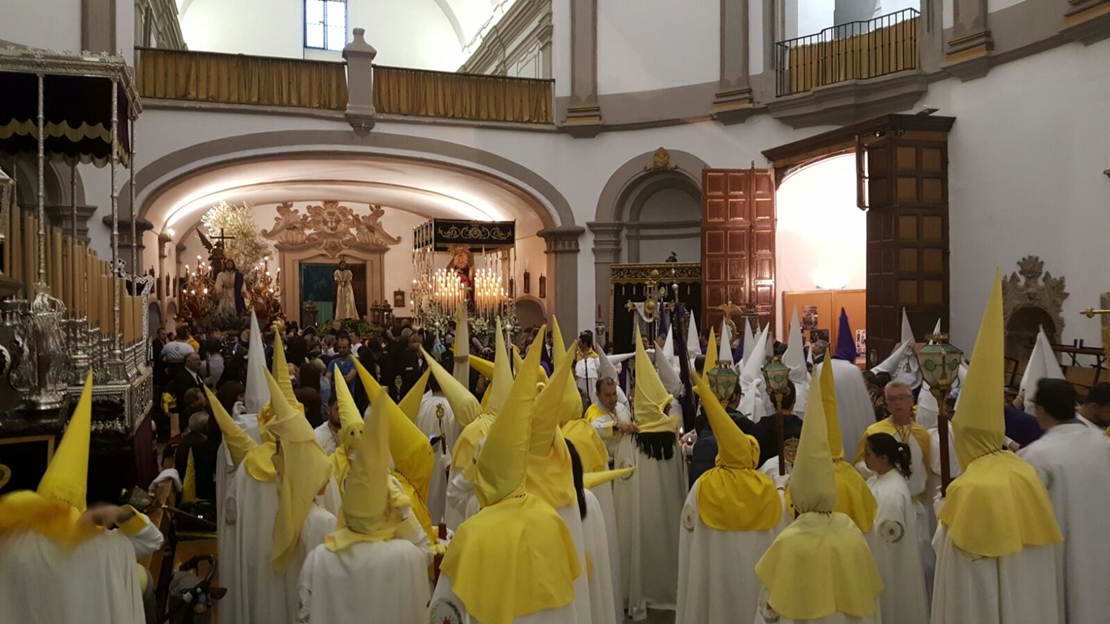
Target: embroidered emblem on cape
[
  {"x": 444, "y": 611},
  {"x": 626, "y": 464},
  {"x": 688, "y": 518},
  {"x": 229, "y": 511},
  {"x": 891, "y": 531}
]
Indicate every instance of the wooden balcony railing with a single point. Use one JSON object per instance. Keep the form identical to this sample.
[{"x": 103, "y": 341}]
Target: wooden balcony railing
[
  {"x": 240, "y": 79},
  {"x": 399, "y": 91},
  {"x": 265, "y": 81},
  {"x": 852, "y": 51}
]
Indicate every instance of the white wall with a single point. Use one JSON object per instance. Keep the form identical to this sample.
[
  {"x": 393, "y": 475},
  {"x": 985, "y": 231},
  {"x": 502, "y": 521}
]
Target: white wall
[
  {"x": 1026, "y": 178},
  {"x": 643, "y": 45},
  {"x": 755, "y": 38},
  {"x": 821, "y": 236},
  {"x": 560, "y": 46},
  {"x": 669, "y": 205},
  {"x": 998, "y": 5},
  {"x": 50, "y": 24},
  {"x": 408, "y": 33}
]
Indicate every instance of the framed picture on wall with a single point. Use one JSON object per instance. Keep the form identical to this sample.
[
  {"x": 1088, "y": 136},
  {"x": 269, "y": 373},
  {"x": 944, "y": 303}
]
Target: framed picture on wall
[
  {"x": 809, "y": 318},
  {"x": 818, "y": 334},
  {"x": 861, "y": 343},
  {"x": 398, "y": 298}
]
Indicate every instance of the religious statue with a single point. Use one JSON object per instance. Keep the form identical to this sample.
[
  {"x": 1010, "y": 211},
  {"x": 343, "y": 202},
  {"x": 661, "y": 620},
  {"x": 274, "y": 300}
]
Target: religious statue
[
  {"x": 345, "y": 307},
  {"x": 230, "y": 291},
  {"x": 460, "y": 264}
]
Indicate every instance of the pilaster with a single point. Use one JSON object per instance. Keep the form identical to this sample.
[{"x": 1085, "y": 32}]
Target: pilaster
[
  {"x": 583, "y": 111},
  {"x": 733, "y": 100},
  {"x": 62, "y": 217},
  {"x": 967, "y": 52},
  {"x": 562, "y": 252},
  {"x": 607, "y": 252}
]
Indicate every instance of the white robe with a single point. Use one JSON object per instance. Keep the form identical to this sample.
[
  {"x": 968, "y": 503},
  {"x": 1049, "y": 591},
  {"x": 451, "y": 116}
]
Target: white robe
[
  {"x": 716, "y": 573},
  {"x": 1018, "y": 588},
  {"x": 1074, "y": 464},
  {"x": 255, "y": 591},
  {"x": 572, "y": 517},
  {"x": 605, "y": 425},
  {"x": 384, "y": 582},
  {"x": 604, "y": 495},
  {"x": 44, "y": 583},
  {"x": 896, "y": 554},
  {"x": 447, "y": 607},
  {"x": 649, "y": 510},
  {"x": 604, "y": 605},
  {"x": 327, "y": 438},
  {"x": 317, "y": 525},
  {"x": 767, "y": 615},
  {"x": 461, "y": 500},
  {"x": 437, "y": 419},
  {"x": 854, "y": 406}
]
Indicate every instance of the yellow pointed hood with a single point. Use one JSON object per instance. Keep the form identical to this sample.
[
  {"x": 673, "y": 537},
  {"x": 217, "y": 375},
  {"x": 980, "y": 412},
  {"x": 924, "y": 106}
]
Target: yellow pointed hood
[
  {"x": 999, "y": 505},
  {"x": 464, "y": 405},
  {"x": 710, "y": 352},
  {"x": 413, "y": 455},
  {"x": 281, "y": 374},
  {"x": 733, "y": 495},
  {"x": 812, "y": 484},
  {"x": 368, "y": 515},
  {"x": 502, "y": 375},
  {"x": 517, "y": 360},
  {"x": 591, "y": 480},
  {"x": 978, "y": 423},
  {"x": 350, "y": 430},
  {"x": 56, "y": 507},
  {"x": 571, "y": 400},
  {"x": 67, "y": 476},
  {"x": 410, "y": 403},
  {"x": 369, "y": 384},
  {"x": 550, "y": 471},
  {"x": 559, "y": 348},
  {"x": 238, "y": 443},
  {"x": 501, "y": 468},
  {"x": 853, "y": 496},
  {"x": 483, "y": 366},
  {"x": 650, "y": 398},
  {"x": 461, "y": 369},
  {"x": 304, "y": 469},
  {"x": 189, "y": 483}
]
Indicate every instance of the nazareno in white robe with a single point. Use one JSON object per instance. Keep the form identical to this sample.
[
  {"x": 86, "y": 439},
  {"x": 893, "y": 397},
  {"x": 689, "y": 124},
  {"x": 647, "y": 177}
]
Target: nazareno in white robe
[
  {"x": 604, "y": 495},
  {"x": 255, "y": 591},
  {"x": 44, "y": 583},
  {"x": 1074, "y": 465},
  {"x": 381, "y": 582},
  {"x": 437, "y": 419},
  {"x": 1019, "y": 588},
  {"x": 854, "y": 406},
  {"x": 447, "y": 608},
  {"x": 716, "y": 569},
  {"x": 649, "y": 512},
  {"x": 604, "y": 605},
  {"x": 317, "y": 526},
  {"x": 896, "y": 552},
  {"x": 572, "y": 517}
]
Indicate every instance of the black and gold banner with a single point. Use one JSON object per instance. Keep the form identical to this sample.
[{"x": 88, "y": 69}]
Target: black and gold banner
[{"x": 444, "y": 234}]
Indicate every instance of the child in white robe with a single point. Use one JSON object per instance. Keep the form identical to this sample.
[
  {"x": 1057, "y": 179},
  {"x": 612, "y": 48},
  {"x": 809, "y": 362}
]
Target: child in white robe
[{"x": 903, "y": 599}]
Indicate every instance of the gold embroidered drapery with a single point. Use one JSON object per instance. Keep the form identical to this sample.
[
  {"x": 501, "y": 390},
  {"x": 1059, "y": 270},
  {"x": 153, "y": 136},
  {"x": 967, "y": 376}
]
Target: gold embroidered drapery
[
  {"x": 882, "y": 51},
  {"x": 239, "y": 79},
  {"x": 399, "y": 91}
]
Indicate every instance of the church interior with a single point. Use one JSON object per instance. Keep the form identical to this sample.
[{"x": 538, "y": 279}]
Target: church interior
[{"x": 169, "y": 167}]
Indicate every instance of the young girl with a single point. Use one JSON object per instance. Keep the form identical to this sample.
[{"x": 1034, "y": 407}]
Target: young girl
[{"x": 894, "y": 539}]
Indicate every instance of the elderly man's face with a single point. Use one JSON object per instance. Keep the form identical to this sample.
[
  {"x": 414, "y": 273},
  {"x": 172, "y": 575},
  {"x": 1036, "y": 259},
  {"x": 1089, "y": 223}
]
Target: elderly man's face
[
  {"x": 899, "y": 402},
  {"x": 607, "y": 396},
  {"x": 192, "y": 362}
]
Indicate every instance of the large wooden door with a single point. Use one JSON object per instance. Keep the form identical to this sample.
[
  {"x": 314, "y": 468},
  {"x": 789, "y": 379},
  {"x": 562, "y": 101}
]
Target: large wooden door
[{"x": 738, "y": 242}]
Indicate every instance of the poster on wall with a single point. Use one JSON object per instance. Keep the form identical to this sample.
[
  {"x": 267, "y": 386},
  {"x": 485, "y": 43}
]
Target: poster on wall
[
  {"x": 818, "y": 334},
  {"x": 809, "y": 318},
  {"x": 861, "y": 343}
]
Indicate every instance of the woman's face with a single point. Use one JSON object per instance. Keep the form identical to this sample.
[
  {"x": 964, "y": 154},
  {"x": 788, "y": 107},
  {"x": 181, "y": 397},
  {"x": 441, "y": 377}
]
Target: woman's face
[{"x": 875, "y": 463}]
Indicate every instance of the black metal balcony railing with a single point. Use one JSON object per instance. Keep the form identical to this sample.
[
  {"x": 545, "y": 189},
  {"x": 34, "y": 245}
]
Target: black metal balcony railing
[{"x": 852, "y": 51}]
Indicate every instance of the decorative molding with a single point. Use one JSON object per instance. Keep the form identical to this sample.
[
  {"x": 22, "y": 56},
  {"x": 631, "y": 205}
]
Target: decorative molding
[
  {"x": 583, "y": 116},
  {"x": 562, "y": 239},
  {"x": 667, "y": 272},
  {"x": 1033, "y": 287},
  {"x": 330, "y": 227},
  {"x": 851, "y": 101},
  {"x": 1087, "y": 21},
  {"x": 733, "y": 101},
  {"x": 524, "y": 27}
]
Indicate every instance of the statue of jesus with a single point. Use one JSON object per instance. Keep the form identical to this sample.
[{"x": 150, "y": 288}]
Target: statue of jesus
[
  {"x": 229, "y": 291},
  {"x": 345, "y": 306}
]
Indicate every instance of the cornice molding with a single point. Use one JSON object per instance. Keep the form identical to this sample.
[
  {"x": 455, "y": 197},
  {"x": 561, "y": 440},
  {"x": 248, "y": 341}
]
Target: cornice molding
[{"x": 527, "y": 23}]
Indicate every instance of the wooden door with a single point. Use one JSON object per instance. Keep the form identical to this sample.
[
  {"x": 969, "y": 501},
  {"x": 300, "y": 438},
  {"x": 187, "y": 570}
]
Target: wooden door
[{"x": 738, "y": 242}]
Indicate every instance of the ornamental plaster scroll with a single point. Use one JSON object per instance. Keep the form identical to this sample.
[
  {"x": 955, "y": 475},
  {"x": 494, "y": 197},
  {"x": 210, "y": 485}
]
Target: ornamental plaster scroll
[
  {"x": 330, "y": 227},
  {"x": 1033, "y": 287}
]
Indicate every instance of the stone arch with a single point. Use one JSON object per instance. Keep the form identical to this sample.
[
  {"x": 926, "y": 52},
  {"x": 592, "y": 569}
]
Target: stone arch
[
  {"x": 531, "y": 311},
  {"x": 626, "y": 191}
]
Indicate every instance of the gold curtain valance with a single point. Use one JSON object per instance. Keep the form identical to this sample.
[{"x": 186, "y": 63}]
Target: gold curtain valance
[
  {"x": 238, "y": 79},
  {"x": 461, "y": 96},
  {"x": 882, "y": 51}
]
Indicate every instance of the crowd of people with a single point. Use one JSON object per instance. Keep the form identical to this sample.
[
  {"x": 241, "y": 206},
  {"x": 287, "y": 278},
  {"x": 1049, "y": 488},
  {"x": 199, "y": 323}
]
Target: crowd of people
[{"x": 404, "y": 480}]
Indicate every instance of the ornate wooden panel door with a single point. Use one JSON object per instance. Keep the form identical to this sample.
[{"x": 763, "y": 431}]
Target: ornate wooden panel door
[
  {"x": 738, "y": 241},
  {"x": 907, "y": 235}
]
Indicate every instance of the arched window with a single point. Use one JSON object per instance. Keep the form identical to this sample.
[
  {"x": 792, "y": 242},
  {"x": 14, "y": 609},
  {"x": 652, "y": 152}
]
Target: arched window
[{"x": 325, "y": 24}]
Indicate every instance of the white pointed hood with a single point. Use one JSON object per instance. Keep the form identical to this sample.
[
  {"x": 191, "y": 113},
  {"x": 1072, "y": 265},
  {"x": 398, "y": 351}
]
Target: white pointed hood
[
  {"x": 257, "y": 391},
  {"x": 795, "y": 359},
  {"x": 724, "y": 354},
  {"x": 749, "y": 343},
  {"x": 753, "y": 402},
  {"x": 902, "y": 364},
  {"x": 1042, "y": 365},
  {"x": 693, "y": 345}
]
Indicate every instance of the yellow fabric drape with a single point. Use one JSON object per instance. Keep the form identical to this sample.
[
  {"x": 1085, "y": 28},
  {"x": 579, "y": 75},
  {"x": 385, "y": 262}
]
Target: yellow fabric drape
[
  {"x": 239, "y": 79},
  {"x": 424, "y": 93},
  {"x": 882, "y": 51}
]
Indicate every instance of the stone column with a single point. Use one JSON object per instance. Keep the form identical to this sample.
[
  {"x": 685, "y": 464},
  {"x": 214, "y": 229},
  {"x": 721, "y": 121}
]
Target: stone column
[
  {"x": 970, "y": 44},
  {"x": 125, "y": 242},
  {"x": 562, "y": 253},
  {"x": 607, "y": 252},
  {"x": 98, "y": 26},
  {"x": 61, "y": 216},
  {"x": 733, "y": 101},
  {"x": 360, "y": 83},
  {"x": 583, "y": 111}
]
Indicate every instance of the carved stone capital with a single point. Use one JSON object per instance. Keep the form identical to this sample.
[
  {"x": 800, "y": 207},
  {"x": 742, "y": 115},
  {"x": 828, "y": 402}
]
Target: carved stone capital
[
  {"x": 562, "y": 239},
  {"x": 62, "y": 216}
]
